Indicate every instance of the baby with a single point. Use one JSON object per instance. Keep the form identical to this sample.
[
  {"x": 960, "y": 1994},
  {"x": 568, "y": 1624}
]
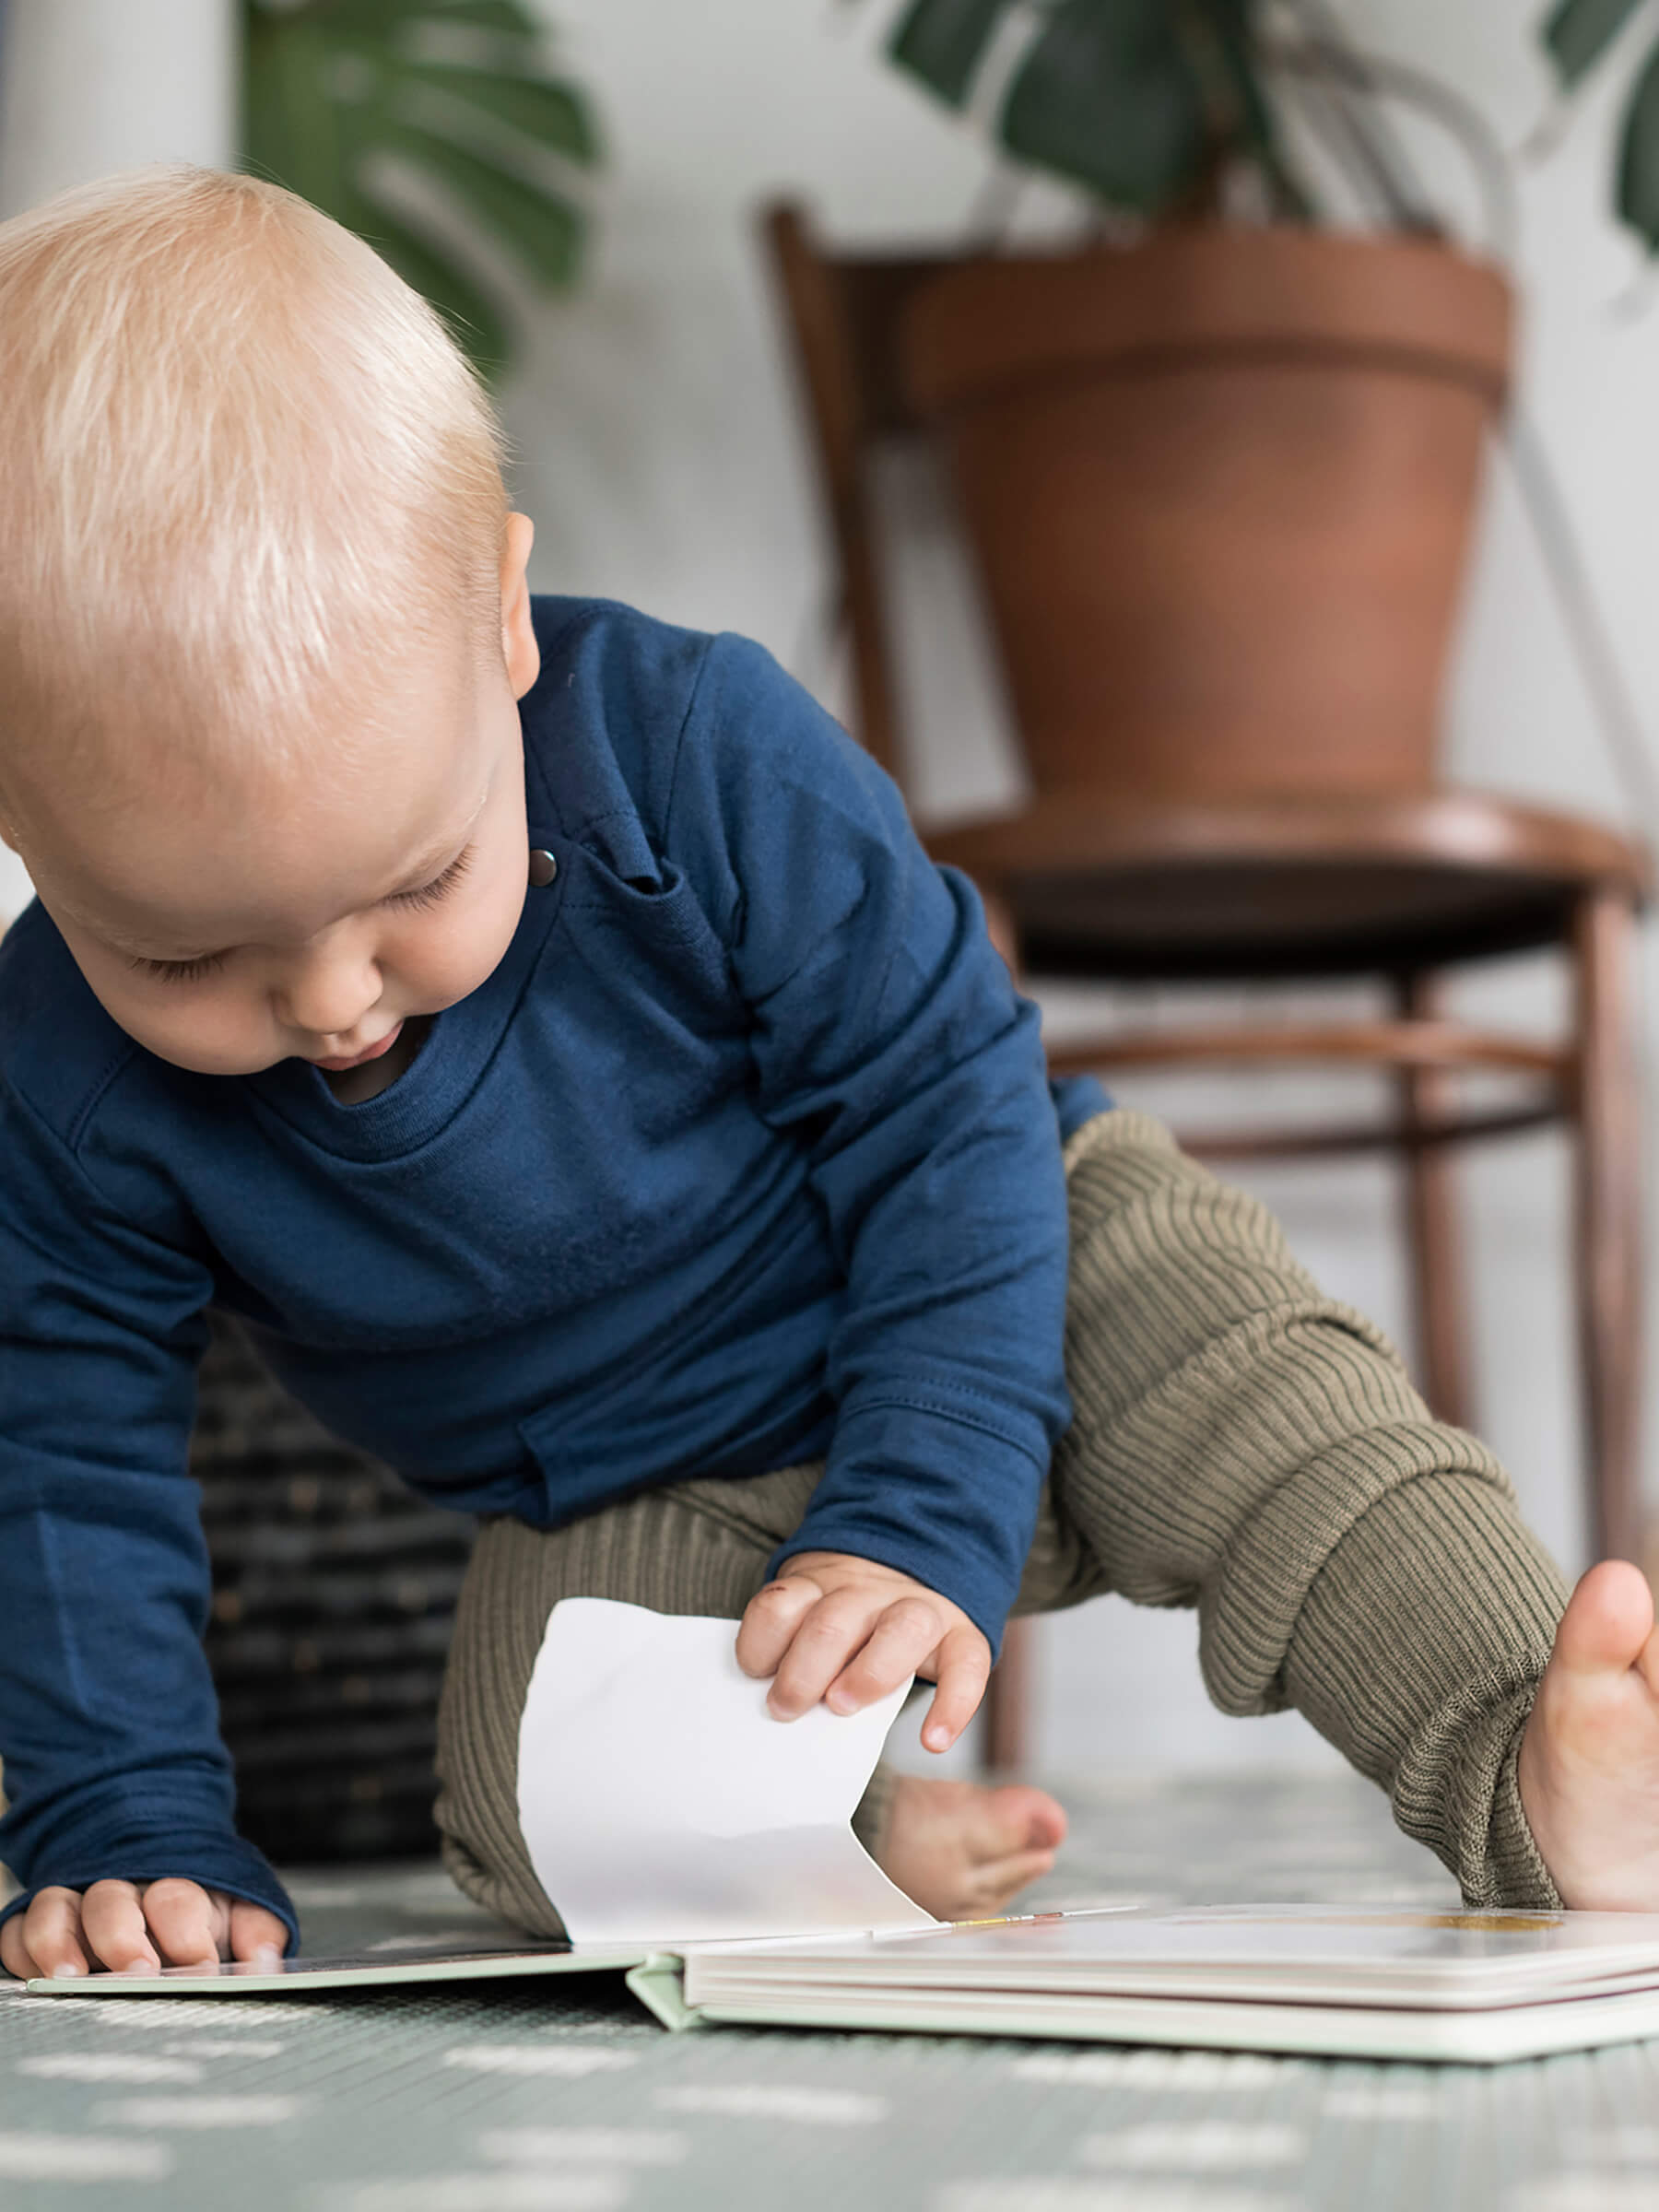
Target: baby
[{"x": 543, "y": 1029}]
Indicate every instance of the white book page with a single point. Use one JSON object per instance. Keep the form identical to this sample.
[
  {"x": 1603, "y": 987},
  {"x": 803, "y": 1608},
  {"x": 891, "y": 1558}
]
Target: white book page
[
  {"x": 662, "y": 1805},
  {"x": 1358, "y": 1956}
]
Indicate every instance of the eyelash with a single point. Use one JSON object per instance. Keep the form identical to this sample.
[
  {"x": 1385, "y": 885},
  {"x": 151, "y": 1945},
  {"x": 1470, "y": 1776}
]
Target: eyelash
[
  {"x": 439, "y": 888},
  {"x": 208, "y": 964}
]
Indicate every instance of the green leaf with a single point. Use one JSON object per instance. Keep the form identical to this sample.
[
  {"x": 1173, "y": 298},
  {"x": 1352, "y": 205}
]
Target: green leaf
[
  {"x": 290, "y": 130},
  {"x": 1637, "y": 194},
  {"x": 331, "y": 85},
  {"x": 1108, "y": 98},
  {"x": 379, "y": 19},
  {"x": 545, "y": 234},
  {"x": 487, "y": 14},
  {"x": 1580, "y": 32},
  {"x": 551, "y": 113},
  {"x": 474, "y": 319},
  {"x": 944, "y": 42}
]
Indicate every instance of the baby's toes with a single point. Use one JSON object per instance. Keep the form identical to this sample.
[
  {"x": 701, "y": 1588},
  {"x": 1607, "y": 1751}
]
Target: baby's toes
[
  {"x": 992, "y": 1887},
  {"x": 1019, "y": 1818},
  {"x": 1589, "y": 1763},
  {"x": 1608, "y": 1625},
  {"x": 1008, "y": 1822},
  {"x": 1597, "y": 1708}
]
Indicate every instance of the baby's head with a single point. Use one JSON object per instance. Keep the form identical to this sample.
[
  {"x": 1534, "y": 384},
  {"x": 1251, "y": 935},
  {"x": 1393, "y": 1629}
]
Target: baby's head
[{"x": 263, "y": 623}]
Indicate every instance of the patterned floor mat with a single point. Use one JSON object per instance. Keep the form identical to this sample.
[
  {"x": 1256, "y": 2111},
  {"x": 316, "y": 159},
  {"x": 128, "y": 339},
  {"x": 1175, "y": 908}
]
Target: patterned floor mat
[{"x": 568, "y": 2099}]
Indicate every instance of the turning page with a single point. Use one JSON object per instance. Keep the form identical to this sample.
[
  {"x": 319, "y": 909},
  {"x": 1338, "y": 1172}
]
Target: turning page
[{"x": 662, "y": 1805}]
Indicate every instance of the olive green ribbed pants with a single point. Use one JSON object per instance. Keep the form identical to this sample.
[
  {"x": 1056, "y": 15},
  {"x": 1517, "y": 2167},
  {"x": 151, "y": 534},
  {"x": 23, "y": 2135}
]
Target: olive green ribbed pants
[{"x": 1239, "y": 1444}]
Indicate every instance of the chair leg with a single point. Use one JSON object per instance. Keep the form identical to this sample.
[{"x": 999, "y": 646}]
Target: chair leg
[
  {"x": 1432, "y": 1240},
  {"x": 1608, "y": 1238},
  {"x": 1009, "y": 1700}
]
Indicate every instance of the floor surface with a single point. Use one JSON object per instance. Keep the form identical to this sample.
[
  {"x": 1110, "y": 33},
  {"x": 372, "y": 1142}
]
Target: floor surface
[{"x": 565, "y": 2098}]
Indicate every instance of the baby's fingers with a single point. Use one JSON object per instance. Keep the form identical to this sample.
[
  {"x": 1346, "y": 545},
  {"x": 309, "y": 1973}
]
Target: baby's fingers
[
  {"x": 46, "y": 1939},
  {"x": 193, "y": 1927},
  {"x": 255, "y": 1932},
  {"x": 906, "y": 1634},
  {"x": 187, "y": 1922},
  {"x": 824, "y": 1639},
  {"x": 13, "y": 1952},
  {"x": 964, "y": 1669},
  {"x": 112, "y": 1924},
  {"x": 770, "y": 1621}
]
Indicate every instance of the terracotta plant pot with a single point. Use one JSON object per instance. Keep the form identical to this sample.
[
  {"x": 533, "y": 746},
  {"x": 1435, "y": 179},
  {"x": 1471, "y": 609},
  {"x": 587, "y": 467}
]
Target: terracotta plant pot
[{"x": 1220, "y": 488}]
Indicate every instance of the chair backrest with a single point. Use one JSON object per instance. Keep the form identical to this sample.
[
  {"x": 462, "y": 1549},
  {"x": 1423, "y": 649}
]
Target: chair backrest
[{"x": 844, "y": 313}]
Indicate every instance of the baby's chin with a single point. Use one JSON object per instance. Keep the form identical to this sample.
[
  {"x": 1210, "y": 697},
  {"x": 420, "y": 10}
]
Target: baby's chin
[
  {"x": 214, "y": 1064},
  {"x": 194, "y": 1059},
  {"x": 204, "y": 1059}
]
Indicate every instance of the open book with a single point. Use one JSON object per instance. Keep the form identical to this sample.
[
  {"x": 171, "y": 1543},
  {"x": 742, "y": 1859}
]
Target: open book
[{"x": 703, "y": 1851}]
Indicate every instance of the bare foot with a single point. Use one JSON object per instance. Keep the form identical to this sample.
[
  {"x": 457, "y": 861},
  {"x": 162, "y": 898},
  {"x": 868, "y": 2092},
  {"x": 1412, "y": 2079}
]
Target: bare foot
[
  {"x": 1589, "y": 1768},
  {"x": 961, "y": 1851}
]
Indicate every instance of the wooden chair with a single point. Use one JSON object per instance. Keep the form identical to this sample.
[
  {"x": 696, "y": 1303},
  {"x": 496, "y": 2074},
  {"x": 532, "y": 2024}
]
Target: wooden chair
[{"x": 1088, "y": 884}]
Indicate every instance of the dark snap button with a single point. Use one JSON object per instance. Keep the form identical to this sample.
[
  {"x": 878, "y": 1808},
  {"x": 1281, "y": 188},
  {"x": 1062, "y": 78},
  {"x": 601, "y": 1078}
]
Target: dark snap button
[{"x": 543, "y": 868}]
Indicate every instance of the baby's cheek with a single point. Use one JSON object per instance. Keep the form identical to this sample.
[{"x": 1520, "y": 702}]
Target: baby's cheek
[
  {"x": 446, "y": 965},
  {"x": 211, "y": 1033}
]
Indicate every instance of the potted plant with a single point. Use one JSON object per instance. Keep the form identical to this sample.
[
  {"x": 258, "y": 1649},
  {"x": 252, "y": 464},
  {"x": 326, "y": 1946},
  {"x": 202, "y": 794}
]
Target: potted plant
[
  {"x": 1219, "y": 478},
  {"x": 341, "y": 96},
  {"x": 1578, "y": 35}
]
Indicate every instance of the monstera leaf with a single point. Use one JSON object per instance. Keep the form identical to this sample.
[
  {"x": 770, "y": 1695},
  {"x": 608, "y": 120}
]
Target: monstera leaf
[
  {"x": 339, "y": 94},
  {"x": 1138, "y": 100},
  {"x": 1578, "y": 34}
]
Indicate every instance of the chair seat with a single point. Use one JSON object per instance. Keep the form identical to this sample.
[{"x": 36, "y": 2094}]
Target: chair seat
[{"x": 1103, "y": 886}]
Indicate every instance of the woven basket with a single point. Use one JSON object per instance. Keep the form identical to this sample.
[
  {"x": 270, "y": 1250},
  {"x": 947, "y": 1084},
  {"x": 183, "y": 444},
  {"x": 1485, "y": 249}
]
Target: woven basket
[{"x": 333, "y": 1593}]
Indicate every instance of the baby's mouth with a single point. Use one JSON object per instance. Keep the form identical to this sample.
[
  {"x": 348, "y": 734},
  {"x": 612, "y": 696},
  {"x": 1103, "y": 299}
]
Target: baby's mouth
[{"x": 369, "y": 1053}]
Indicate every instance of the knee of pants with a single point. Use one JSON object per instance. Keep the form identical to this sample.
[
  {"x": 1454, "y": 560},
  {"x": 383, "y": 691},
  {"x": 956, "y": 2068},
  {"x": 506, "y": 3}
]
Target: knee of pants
[
  {"x": 487, "y": 1676},
  {"x": 661, "y": 1549}
]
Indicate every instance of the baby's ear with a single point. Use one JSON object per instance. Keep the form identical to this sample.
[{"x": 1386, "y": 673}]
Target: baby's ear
[{"x": 519, "y": 647}]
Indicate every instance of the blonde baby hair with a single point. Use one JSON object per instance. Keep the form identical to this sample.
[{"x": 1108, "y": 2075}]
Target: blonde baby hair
[{"x": 242, "y": 463}]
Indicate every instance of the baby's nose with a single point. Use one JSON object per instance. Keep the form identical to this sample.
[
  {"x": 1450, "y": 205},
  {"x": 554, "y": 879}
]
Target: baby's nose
[{"x": 329, "y": 999}]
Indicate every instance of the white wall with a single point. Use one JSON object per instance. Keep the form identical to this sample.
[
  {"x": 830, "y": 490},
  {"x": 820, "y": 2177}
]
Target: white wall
[
  {"x": 91, "y": 85},
  {"x": 662, "y": 458}
]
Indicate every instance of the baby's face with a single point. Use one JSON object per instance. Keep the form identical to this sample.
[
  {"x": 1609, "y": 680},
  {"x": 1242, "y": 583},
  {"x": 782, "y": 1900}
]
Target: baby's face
[{"x": 304, "y": 913}]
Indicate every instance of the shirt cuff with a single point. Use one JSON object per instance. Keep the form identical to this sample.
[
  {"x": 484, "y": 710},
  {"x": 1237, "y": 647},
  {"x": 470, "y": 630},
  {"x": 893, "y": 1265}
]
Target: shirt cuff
[
  {"x": 218, "y": 1862},
  {"x": 933, "y": 1491}
]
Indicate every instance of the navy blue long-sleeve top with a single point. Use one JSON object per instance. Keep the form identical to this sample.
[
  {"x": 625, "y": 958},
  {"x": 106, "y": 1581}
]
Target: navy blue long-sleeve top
[{"x": 743, "y": 1155}]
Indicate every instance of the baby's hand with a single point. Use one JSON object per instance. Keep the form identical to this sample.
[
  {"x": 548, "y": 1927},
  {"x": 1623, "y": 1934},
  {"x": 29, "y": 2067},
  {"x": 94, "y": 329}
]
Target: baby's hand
[
  {"x": 847, "y": 1631},
  {"x": 136, "y": 1925}
]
